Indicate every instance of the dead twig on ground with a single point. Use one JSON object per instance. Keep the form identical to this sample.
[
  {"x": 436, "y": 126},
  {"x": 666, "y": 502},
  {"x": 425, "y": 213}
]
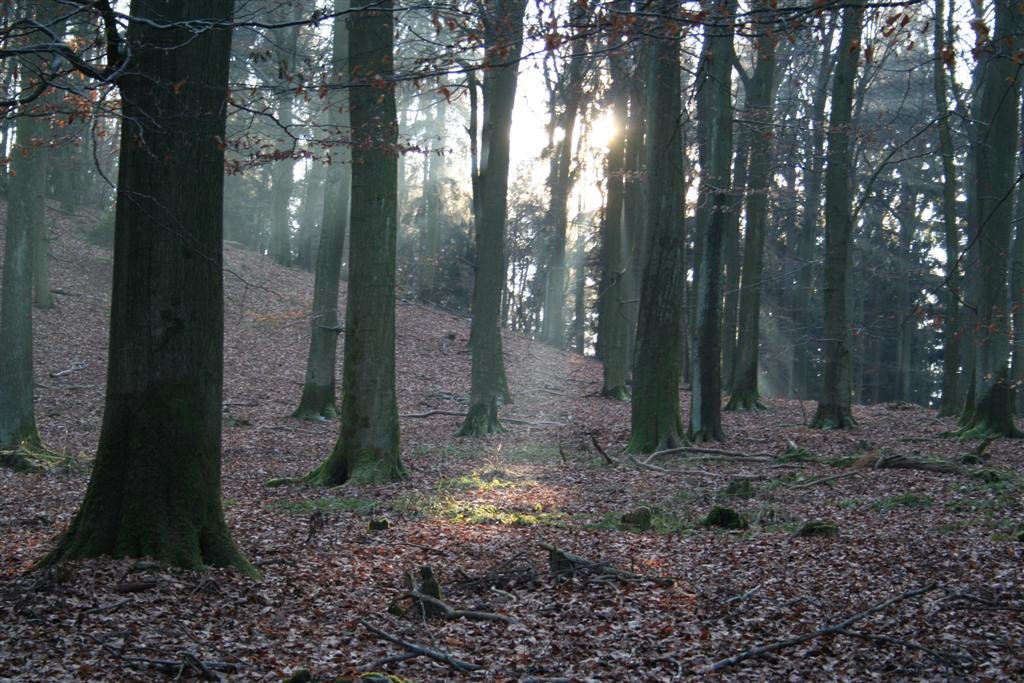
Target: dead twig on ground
[
  {"x": 421, "y": 651},
  {"x": 824, "y": 480},
  {"x": 450, "y": 612},
  {"x": 831, "y": 629},
  {"x": 612, "y": 462},
  {"x": 709, "y": 451}
]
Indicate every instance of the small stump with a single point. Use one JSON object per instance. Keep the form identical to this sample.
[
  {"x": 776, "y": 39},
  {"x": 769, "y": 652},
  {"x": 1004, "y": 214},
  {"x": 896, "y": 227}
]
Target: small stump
[
  {"x": 379, "y": 524},
  {"x": 640, "y": 519},
  {"x": 739, "y": 488},
  {"x": 819, "y": 528},
  {"x": 725, "y": 518}
]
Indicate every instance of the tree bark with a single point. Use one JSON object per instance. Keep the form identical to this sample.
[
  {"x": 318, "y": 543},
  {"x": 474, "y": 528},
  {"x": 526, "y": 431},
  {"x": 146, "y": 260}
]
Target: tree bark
[
  {"x": 834, "y": 408},
  {"x": 993, "y": 184},
  {"x": 614, "y": 328},
  {"x": 368, "y": 444},
  {"x": 706, "y": 361},
  {"x": 950, "y": 401},
  {"x": 656, "y": 424},
  {"x": 283, "y": 182},
  {"x": 502, "y": 44},
  {"x": 318, "y": 391},
  {"x": 760, "y": 109},
  {"x": 155, "y": 485}
]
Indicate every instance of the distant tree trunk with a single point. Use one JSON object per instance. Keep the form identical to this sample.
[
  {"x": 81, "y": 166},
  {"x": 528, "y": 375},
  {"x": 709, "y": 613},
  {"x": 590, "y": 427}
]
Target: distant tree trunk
[
  {"x": 950, "y": 401},
  {"x": 803, "y": 377},
  {"x": 1017, "y": 301},
  {"x": 26, "y": 214},
  {"x": 834, "y": 408},
  {"x": 907, "y": 218},
  {"x": 367, "y": 449},
  {"x": 655, "y": 406},
  {"x": 318, "y": 391},
  {"x": 997, "y": 121},
  {"x": 502, "y": 43},
  {"x": 287, "y": 40},
  {"x": 310, "y": 210},
  {"x": 760, "y": 109},
  {"x": 731, "y": 252},
  {"x": 568, "y": 94},
  {"x": 578, "y": 337},
  {"x": 430, "y": 237},
  {"x": 155, "y": 485},
  {"x": 706, "y": 360},
  {"x": 614, "y": 328}
]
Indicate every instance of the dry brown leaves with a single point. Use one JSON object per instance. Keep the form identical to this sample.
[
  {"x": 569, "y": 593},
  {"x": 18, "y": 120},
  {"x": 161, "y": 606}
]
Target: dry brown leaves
[{"x": 479, "y": 510}]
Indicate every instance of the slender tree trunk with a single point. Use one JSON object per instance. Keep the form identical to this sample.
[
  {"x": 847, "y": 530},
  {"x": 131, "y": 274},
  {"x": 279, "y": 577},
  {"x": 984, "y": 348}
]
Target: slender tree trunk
[
  {"x": 950, "y": 401},
  {"x": 731, "y": 252},
  {"x": 803, "y": 375},
  {"x": 633, "y": 207},
  {"x": 560, "y": 183},
  {"x": 907, "y": 218},
  {"x": 1017, "y": 301},
  {"x": 367, "y": 449},
  {"x": 26, "y": 214},
  {"x": 997, "y": 122},
  {"x": 614, "y": 311},
  {"x": 503, "y": 43},
  {"x": 283, "y": 172},
  {"x": 318, "y": 391},
  {"x": 430, "y": 238},
  {"x": 834, "y": 408},
  {"x": 706, "y": 401},
  {"x": 745, "y": 394},
  {"x": 155, "y": 485},
  {"x": 655, "y": 407}
]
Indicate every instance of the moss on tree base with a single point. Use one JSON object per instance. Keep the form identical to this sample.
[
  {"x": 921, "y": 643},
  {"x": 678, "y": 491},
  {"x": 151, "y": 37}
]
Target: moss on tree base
[
  {"x": 317, "y": 403},
  {"x": 357, "y": 466},
  {"x": 743, "y": 401},
  {"x": 481, "y": 420},
  {"x": 830, "y": 416},
  {"x": 619, "y": 393}
]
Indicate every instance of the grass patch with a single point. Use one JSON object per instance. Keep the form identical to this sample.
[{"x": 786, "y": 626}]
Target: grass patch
[
  {"x": 661, "y": 522},
  {"x": 903, "y": 500},
  {"x": 477, "y": 513},
  {"x": 358, "y": 505},
  {"x": 489, "y": 480}
]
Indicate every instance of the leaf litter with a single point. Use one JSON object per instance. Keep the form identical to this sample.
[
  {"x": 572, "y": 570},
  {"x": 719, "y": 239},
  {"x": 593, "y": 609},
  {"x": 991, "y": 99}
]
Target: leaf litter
[{"x": 928, "y": 562}]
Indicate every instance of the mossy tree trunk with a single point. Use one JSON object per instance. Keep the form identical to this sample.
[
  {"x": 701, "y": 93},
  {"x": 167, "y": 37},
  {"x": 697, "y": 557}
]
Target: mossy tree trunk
[
  {"x": 155, "y": 485},
  {"x": 318, "y": 391},
  {"x": 997, "y": 121},
  {"x": 949, "y": 403},
  {"x": 613, "y": 332},
  {"x": 760, "y": 112},
  {"x": 834, "y": 404},
  {"x": 655, "y": 420},
  {"x": 26, "y": 217},
  {"x": 368, "y": 445},
  {"x": 503, "y": 29},
  {"x": 706, "y": 358}
]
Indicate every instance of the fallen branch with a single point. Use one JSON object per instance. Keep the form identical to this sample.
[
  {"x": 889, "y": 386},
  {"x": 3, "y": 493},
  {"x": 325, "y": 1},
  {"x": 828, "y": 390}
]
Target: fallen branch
[
  {"x": 451, "y": 613},
  {"x": 188, "y": 662},
  {"x": 74, "y": 367},
  {"x": 709, "y": 451},
  {"x": 107, "y": 608},
  {"x": 564, "y": 562},
  {"x": 420, "y": 650},
  {"x": 950, "y": 658},
  {"x": 644, "y": 465},
  {"x": 510, "y": 420},
  {"x": 896, "y": 461},
  {"x": 607, "y": 458},
  {"x": 823, "y": 480},
  {"x": 831, "y": 629}
]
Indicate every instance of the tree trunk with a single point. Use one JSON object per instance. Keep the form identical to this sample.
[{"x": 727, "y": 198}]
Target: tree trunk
[
  {"x": 26, "y": 216},
  {"x": 614, "y": 311},
  {"x": 430, "y": 237},
  {"x": 503, "y": 42},
  {"x": 907, "y": 218},
  {"x": 760, "y": 109},
  {"x": 568, "y": 92},
  {"x": 950, "y": 402},
  {"x": 155, "y": 485},
  {"x": 318, "y": 391},
  {"x": 283, "y": 183},
  {"x": 803, "y": 375},
  {"x": 716, "y": 58},
  {"x": 834, "y": 409},
  {"x": 731, "y": 252},
  {"x": 368, "y": 446},
  {"x": 655, "y": 407},
  {"x": 997, "y": 123}
]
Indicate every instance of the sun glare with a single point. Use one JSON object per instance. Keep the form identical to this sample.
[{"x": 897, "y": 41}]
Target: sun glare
[{"x": 603, "y": 130}]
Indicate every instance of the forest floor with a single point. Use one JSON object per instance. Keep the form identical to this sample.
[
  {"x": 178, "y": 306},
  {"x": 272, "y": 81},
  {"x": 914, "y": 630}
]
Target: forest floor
[{"x": 924, "y": 579}]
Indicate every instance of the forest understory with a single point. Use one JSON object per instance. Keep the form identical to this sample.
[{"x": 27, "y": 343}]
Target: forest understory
[{"x": 559, "y": 558}]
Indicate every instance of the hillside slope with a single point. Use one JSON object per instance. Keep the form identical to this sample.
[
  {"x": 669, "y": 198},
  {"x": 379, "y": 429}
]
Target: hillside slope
[{"x": 479, "y": 511}]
